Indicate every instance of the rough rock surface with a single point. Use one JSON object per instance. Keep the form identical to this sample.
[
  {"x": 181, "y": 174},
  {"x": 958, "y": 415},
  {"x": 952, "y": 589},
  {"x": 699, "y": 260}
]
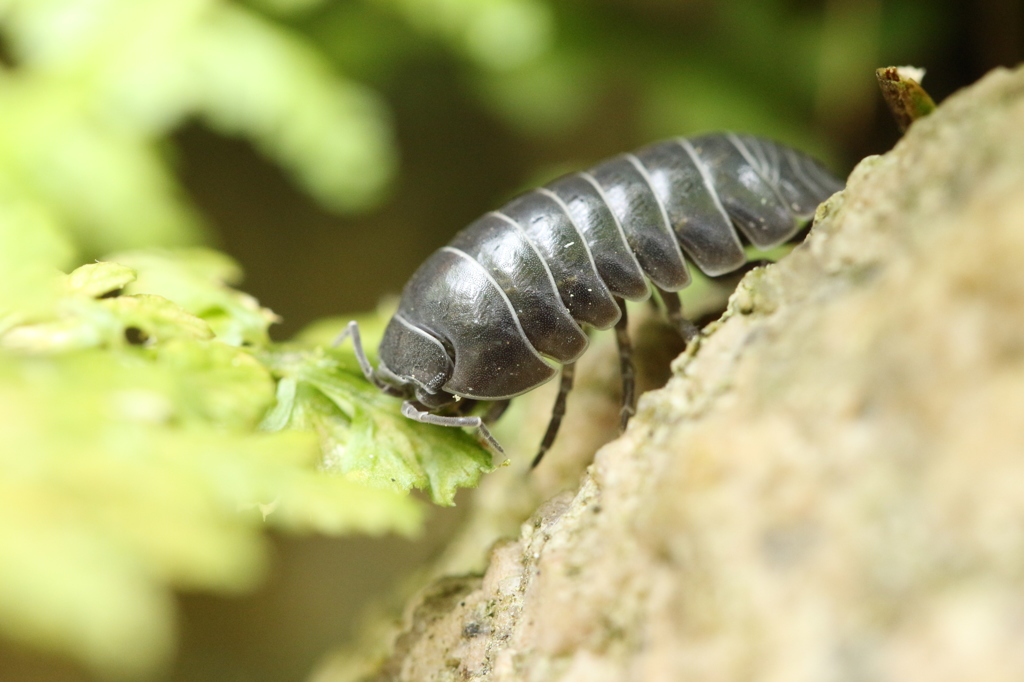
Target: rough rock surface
[{"x": 830, "y": 487}]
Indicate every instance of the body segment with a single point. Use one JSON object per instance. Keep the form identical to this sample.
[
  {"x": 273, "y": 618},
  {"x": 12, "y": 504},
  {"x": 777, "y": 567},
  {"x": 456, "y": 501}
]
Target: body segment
[{"x": 493, "y": 314}]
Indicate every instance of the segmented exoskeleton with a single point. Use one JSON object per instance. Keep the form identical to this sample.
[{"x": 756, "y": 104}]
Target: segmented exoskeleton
[{"x": 492, "y": 314}]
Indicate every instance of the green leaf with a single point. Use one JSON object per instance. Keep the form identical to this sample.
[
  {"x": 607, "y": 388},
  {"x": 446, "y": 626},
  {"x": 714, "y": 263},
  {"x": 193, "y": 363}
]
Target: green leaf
[
  {"x": 131, "y": 463},
  {"x": 95, "y": 280},
  {"x": 108, "y": 322},
  {"x": 362, "y": 433},
  {"x": 157, "y": 317},
  {"x": 197, "y": 279},
  {"x": 126, "y": 474},
  {"x": 217, "y": 383}
]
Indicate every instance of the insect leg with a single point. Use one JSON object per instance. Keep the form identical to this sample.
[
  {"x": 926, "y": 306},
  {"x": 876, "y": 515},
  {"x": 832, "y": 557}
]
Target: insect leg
[
  {"x": 495, "y": 411},
  {"x": 674, "y": 313},
  {"x": 411, "y": 411},
  {"x": 352, "y": 329},
  {"x": 625, "y": 366},
  {"x": 557, "y": 412}
]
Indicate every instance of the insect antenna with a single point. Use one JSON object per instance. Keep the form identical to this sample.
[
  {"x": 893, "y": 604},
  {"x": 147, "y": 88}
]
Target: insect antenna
[{"x": 352, "y": 329}]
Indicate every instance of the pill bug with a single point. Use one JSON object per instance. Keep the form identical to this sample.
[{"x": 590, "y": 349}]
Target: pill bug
[{"x": 495, "y": 312}]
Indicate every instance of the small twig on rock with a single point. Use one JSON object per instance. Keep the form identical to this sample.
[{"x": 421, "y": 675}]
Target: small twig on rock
[{"x": 901, "y": 88}]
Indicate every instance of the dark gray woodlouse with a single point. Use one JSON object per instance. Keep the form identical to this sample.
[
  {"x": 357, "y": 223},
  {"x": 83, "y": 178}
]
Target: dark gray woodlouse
[{"x": 492, "y": 314}]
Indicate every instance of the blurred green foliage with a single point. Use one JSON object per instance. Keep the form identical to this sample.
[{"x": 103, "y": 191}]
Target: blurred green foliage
[
  {"x": 99, "y": 84},
  {"x": 770, "y": 67},
  {"x": 132, "y": 462}
]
